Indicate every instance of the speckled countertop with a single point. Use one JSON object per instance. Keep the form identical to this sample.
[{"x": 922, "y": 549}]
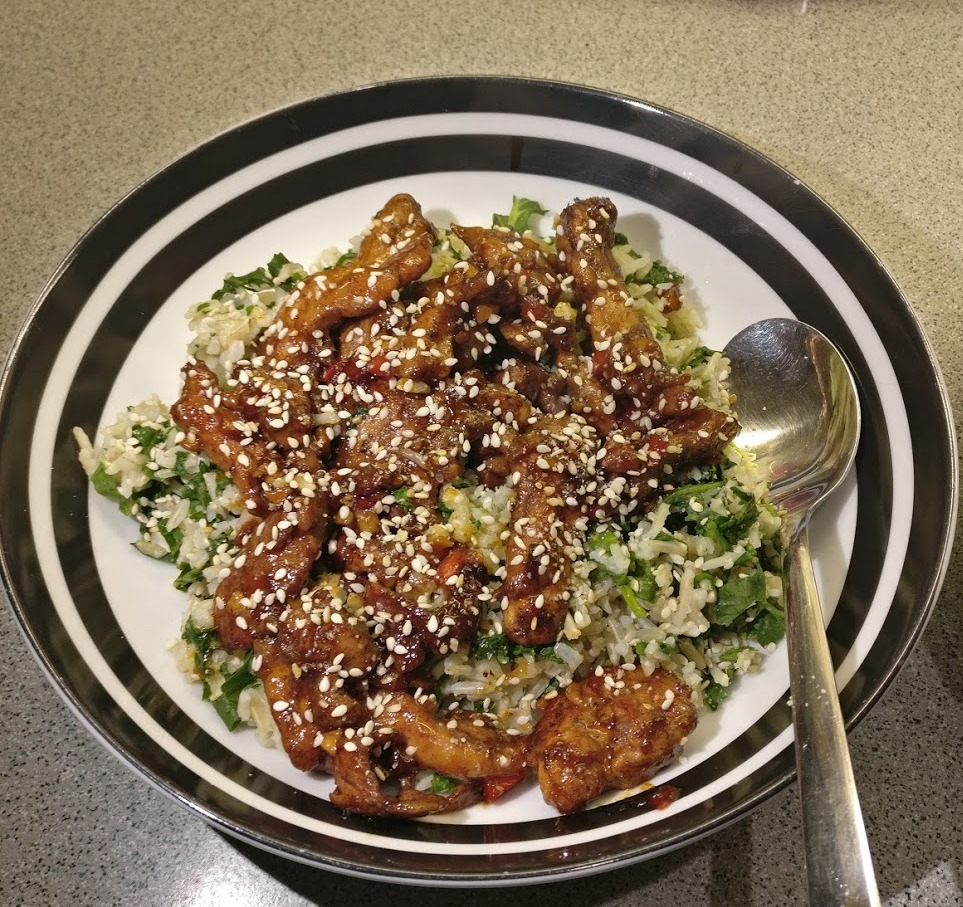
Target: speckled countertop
[{"x": 862, "y": 101}]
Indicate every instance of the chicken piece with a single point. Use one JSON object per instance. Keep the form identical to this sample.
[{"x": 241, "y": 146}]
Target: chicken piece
[
  {"x": 283, "y": 377},
  {"x": 542, "y": 387},
  {"x": 318, "y": 633},
  {"x": 475, "y": 338},
  {"x": 423, "y": 340},
  {"x": 585, "y": 238},
  {"x": 613, "y": 730},
  {"x": 429, "y": 613},
  {"x": 458, "y": 744},
  {"x": 269, "y": 478},
  {"x": 539, "y": 330},
  {"x": 627, "y": 357},
  {"x": 280, "y": 397},
  {"x": 552, "y": 467},
  {"x": 519, "y": 260},
  {"x": 304, "y": 704},
  {"x": 274, "y": 565},
  {"x": 590, "y": 397},
  {"x": 395, "y": 250},
  {"x": 626, "y": 353},
  {"x": 359, "y": 789},
  {"x": 213, "y": 425},
  {"x": 424, "y": 351},
  {"x": 401, "y": 439}
]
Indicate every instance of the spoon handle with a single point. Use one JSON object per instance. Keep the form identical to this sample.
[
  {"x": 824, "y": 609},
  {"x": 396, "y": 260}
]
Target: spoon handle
[{"x": 838, "y": 860}]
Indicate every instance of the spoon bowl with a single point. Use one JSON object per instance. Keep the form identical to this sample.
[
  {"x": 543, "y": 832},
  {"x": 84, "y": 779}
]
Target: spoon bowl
[
  {"x": 798, "y": 408},
  {"x": 799, "y": 414}
]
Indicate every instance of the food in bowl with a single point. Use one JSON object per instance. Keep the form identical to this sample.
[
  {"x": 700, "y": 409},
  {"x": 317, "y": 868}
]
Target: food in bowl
[{"x": 457, "y": 507}]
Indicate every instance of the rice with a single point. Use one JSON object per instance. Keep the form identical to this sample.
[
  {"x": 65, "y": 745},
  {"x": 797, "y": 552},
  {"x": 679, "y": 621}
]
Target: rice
[{"x": 694, "y": 585}]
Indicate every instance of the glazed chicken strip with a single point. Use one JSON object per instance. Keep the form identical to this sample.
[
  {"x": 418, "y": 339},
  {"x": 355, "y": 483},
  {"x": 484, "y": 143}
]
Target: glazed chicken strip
[
  {"x": 214, "y": 425},
  {"x": 519, "y": 260},
  {"x": 627, "y": 359},
  {"x": 585, "y": 238},
  {"x": 310, "y": 652},
  {"x": 457, "y": 744},
  {"x": 552, "y": 461},
  {"x": 432, "y": 613},
  {"x": 281, "y": 381},
  {"x": 395, "y": 250},
  {"x": 613, "y": 730},
  {"x": 359, "y": 789},
  {"x": 274, "y": 564}
]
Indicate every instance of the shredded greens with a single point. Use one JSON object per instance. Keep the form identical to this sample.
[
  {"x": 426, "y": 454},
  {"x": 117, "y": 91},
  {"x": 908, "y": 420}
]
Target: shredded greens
[
  {"x": 497, "y": 646},
  {"x": 523, "y": 210},
  {"x": 204, "y": 643}
]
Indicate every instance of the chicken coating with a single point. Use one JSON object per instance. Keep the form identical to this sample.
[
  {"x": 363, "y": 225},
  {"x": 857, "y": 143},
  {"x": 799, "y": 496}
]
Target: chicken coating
[{"x": 613, "y": 730}]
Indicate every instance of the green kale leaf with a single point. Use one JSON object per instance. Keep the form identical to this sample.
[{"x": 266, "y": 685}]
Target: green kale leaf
[
  {"x": 442, "y": 784},
  {"x": 234, "y": 683},
  {"x": 659, "y": 273},
  {"x": 523, "y": 209},
  {"x": 737, "y": 595},
  {"x": 713, "y": 695},
  {"x": 104, "y": 484},
  {"x": 258, "y": 279},
  {"x": 498, "y": 647},
  {"x": 768, "y": 627}
]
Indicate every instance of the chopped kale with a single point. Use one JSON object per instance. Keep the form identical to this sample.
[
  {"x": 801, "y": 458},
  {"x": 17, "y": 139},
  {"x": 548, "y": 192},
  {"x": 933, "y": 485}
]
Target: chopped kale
[
  {"x": 258, "y": 279},
  {"x": 105, "y": 484},
  {"x": 274, "y": 269},
  {"x": 442, "y": 784},
  {"x": 523, "y": 209},
  {"x": 622, "y": 240},
  {"x": 732, "y": 655},
  {"x": 637, "y": 585},
  {"x": 173, "y": 538},
  {"x": 187, "y": 576},
  {"x": 630, "y": 598},
  {"x": 602, "y": 540},
  {"x": 234, "y": 683},
  {"x": 276, "y": 263},
  {"x": 643, "y": 574},
  {"x": 699, "y": 355},
  {"x": 659, "y": 273},
  {"x": 713, "y": 695},
  {"x": 768, "y": 627},
  {"x": 498, "y": 647},
  {"x": 196, "y": 492},
  {"x": 684, "y": 493},
  {"x": 403, "y": 498},
  {"x": 724, "y": 528},
  {"x": 357, "y": 416},
  {"x": 203, "y": 641},
  {"x": 737, "y": 595},
  {"x": 148, "y": 437}
]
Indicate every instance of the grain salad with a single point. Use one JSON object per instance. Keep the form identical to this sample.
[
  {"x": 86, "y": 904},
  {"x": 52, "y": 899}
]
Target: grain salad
[{"x": 455, "y": 507}]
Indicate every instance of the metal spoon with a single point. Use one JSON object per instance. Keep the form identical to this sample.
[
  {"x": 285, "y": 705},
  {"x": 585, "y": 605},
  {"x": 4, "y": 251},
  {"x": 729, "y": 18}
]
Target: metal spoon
[{"x": 799, "y": 412}]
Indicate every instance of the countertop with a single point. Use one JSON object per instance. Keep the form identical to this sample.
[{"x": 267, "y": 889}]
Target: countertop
[{"x": 862, "y": 101}]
